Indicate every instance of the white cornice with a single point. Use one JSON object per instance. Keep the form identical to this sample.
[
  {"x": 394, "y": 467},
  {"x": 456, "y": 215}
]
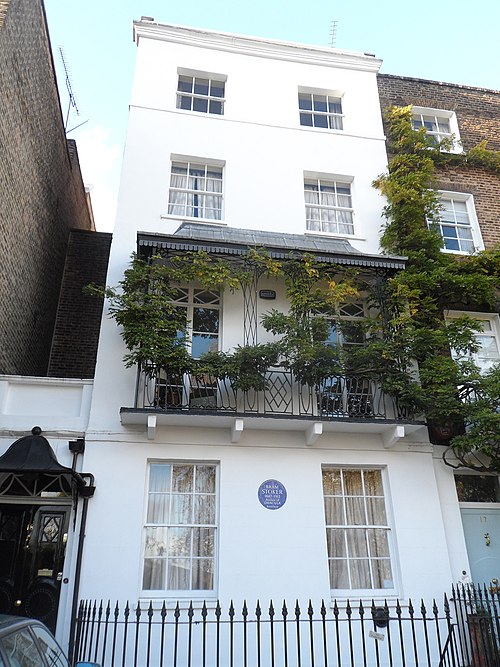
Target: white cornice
[{"x": 256, "y": 46}]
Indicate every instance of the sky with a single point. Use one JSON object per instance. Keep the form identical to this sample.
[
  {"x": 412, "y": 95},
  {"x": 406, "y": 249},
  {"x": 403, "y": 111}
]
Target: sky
[{"x": 455, "y": 41}]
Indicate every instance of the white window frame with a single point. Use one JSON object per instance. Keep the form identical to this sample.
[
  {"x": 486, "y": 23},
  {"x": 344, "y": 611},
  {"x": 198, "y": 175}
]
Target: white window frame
[
  {"x": 494, "y": 321},
  {"x": 189, "y": 593},
  {"x": 334, "y": 119},
  {"x": 350, "y": 395},
  {"x": 475, "y": 229},
  {"x": 190, "y": 305},
  {"x": 388, "y": 527},
  {"x": 178, "y": 191},
  {"x": 438, "y": 115},
  {"x": 197, "y": 98},
  {"x": 328, "y": 180}
]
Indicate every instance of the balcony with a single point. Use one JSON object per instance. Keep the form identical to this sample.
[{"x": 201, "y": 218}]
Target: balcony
[{"x": 351, "y": 403}]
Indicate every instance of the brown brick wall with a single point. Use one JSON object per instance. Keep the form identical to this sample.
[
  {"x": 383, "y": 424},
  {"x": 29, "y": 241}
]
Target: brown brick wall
[
  {"x": 478, "y": 116},
  {"x": 76, "y": 335},
  {"x": 41, "y": 191},
  {"x": 477, "y": 109}
]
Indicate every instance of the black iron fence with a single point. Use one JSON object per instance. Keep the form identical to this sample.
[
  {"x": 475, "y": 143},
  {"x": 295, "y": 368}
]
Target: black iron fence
[
  {"x": 348, "y": 634},
  {"x": 476, "y": 610},
  {"x": 336, "y": 397}
]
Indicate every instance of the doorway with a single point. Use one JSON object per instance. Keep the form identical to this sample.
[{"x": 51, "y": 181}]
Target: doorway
[
  {"x": 32, "y": 549},
  {"x": 479, "y": 497}
]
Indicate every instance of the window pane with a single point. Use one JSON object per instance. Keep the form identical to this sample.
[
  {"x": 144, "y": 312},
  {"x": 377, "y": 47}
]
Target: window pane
[
  {"x": 206, "y": 320},
  {"x": 181, "y": 509},
  {"x": 352, "y": 483},
  {"x": 204, "y": 509},
  {"x": 375, "y": 508},
  {"x": 200, "y": 104},
  {"x": 178, "y": 574},
  {"x": 203, "y": 576},
  {"x": 159, "y": 477},
  {"x": 360, "y": 573},
  {"x": 334, "y": 106},
  {"x": 477, "y": 489},
  {"x": 320, "y": 121},
  {"x": 179, "y": 542},
  {"x": 319, "y": 102},
  {"x": 182, "y": 478},
  {"x": 332, "y": 482},
  {"x": 306, "y": 119},
  {"x": 185, "y": 84},
  {"x": 205, "y": 479},
  {"x": 334, "y": 511},
  {"x": 217, "y": 88},
  {"x": 373, "y": 483},
  {"x": 184, "y": 102},
  {"x": 336, "y": 543},
  {"x": 355, "y": 511},
  {"x": 382, "y": 573},
  {"x": 156, "y": 542},
  {"x": 215, "y": 107},
  {"x": 158, "y": 508},
  {"x": 336, "y": 123},
  {"x": 379, "y": 544},
  {"x": 339, "y": 574},
  {"x": 155, "y": 570},
  {"x": 203, "y": 343},
  {"x": 201, "y": 86},
  {"x": 356, "y": 543},
  {"x": 305, "y": 101},
  {"x": 203, "y": 542}
]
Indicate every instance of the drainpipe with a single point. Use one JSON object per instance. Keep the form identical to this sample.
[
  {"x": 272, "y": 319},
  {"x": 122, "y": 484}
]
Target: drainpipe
[{"x": 86, "y": 492}]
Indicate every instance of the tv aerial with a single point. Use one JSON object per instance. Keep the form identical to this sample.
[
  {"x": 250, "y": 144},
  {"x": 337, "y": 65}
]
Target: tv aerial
[
  {"x": 333, "y": 33},
  {"x": 72, "y": 104}
]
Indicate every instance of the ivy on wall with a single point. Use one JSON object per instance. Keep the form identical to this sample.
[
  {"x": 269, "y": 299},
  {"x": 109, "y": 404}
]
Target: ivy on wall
[{"x": 450, "y": 388}]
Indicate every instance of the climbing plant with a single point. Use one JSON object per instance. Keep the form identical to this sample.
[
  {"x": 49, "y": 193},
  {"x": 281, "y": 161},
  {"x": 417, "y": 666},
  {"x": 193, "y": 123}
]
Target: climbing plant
[{"x": 432, "y": 283}]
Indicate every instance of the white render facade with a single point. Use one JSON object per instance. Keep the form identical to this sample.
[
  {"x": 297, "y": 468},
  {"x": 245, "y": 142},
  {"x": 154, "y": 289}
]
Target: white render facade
[{"x": 264, "y": 155}]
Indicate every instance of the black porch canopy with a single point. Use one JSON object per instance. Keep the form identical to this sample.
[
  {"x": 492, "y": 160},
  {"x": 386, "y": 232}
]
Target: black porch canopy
[{"x": 30, "y": 464}]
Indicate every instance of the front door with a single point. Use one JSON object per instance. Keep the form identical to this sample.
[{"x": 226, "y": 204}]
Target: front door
[
  {"x": 482, "y": 537},
  {"x": 32, "y": 545}
]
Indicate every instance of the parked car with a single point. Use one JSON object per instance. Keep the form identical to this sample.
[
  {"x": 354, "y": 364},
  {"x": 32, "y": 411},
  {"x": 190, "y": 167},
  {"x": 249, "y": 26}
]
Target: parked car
[{"x": 25, "y": 642}]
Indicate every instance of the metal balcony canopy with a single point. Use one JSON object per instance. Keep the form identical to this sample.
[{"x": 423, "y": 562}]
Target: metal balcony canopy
[{"x": 214, "y": 239}]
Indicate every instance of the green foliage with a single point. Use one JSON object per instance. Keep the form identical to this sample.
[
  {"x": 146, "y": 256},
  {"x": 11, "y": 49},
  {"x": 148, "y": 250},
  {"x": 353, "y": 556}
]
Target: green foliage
[
  {"x": 313, "y": 290},
  {"x": 153, "y": 328},
  {"x": 479, "y": 447},
  {"x": 432, "y": 283}
]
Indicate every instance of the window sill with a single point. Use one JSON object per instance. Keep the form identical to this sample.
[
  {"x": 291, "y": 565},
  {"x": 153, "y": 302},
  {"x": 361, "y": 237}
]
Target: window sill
[
  {"x": 324, "y": 130},
  {"x": 185, "y": 218}
]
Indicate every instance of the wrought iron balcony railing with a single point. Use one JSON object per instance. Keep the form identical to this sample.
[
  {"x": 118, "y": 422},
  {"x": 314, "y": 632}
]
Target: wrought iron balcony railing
[{"x": 339, "y": 397}]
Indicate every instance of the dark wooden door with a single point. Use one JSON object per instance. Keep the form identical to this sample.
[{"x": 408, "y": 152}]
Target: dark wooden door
[{"x": 32, "y": 547}]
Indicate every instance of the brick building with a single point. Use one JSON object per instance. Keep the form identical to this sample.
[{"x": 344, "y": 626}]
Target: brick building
[
  {"x": 470, "y": 221},
  {"x": 42, "y": 197},
  {"x": 472, "y": 115}
]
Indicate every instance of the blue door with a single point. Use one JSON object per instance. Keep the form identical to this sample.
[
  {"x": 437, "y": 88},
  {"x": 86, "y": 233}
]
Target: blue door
[{"x": 482, "y": 536}]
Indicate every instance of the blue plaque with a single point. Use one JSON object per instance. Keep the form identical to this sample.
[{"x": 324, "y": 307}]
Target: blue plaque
[{"x": 272, "y": 494}]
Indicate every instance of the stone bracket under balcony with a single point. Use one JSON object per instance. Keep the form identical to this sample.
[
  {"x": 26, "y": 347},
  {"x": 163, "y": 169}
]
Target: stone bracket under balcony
[{"x": 312, "y": 428}]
